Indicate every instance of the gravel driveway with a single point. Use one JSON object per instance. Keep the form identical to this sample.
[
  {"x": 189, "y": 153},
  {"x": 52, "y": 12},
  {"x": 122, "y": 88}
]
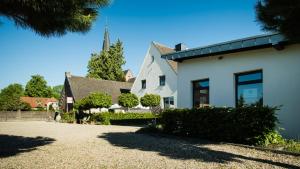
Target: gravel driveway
[{"x": 55, "y": 145}]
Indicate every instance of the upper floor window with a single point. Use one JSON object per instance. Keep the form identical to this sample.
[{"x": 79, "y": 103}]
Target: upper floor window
[
  {"x": 143, "y": 84},
  {"x": 162, "y": 80},
  {"x": 249, "y": 87},
  {"x": 200, "y": 93}
]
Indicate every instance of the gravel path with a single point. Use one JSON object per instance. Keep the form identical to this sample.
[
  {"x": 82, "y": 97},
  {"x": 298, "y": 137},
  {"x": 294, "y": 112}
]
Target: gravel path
[{"x": 54, "y": 145}]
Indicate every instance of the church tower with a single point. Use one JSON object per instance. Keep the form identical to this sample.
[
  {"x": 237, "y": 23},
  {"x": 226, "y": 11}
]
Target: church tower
[{"x": 106, "y": 40}]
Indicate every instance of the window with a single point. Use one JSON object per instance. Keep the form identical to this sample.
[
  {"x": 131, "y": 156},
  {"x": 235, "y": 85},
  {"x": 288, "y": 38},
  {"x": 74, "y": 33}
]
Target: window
[
  {"x": 143, "y": 84},
  {"x": 249, "y": 87},
  {"x": 168, "y": 102},
  {"x": 162, "y": 80},
  {"x": 200, "y": 93}
]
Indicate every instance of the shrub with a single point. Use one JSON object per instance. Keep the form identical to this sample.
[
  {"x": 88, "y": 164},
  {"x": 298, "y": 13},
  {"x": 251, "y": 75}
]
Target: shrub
[
  {"x": 128, "y": 100},
  {"x": 150, "y": 100},
  {"x": 241, "y": 125},
  {"x": 101, "y": 118},
  {"x": 94, "y": 100},
  {"x": 271, "y": 137},
  {"x": 107, "y": 118},
  {"x": 25, "y": 106},
  {"x": 68, "y": 117}
]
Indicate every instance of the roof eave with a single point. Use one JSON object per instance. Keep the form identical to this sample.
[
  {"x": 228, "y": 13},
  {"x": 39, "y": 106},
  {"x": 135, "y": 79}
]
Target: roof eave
[{"x": 251, "y": 43}]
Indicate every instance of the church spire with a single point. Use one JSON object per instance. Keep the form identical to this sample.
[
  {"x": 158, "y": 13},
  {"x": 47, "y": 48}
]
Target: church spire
[{"x": 106, "y": 41}]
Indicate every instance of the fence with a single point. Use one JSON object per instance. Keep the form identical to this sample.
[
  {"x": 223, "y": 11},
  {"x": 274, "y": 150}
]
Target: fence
[{"x": 26, "y": 116}]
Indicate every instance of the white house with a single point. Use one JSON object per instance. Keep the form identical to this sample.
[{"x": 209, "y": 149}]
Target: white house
[
  {"x": 157, "y": 76},
  {"x": 265, "y": 68}
]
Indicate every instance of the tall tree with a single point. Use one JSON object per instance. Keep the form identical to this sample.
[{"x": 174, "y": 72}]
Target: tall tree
[
  {"x": 280, "y": 16},
  {"x": 37, "y": 87},
  {"x": 52, "y": 17},
  {"x": 10, "y": 97},
  {"x": 56, "y": 91},
  {"x": 108, "y": 64}
]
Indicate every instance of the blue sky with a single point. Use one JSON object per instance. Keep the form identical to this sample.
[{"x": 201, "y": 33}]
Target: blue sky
[{"x": 193, "y": 22}]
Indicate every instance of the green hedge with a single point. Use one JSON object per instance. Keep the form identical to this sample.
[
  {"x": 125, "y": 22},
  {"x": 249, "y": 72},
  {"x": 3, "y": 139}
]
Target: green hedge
[
  {"x": 117, "y": 118},
  {"x": 68, "y": 117},
  {"x": 240, "y": 125}
]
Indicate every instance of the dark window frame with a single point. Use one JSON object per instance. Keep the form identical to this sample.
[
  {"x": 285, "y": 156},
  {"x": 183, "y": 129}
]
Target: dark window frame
[
  {"x": 237, "y": 83},
  {"x": 160, "y": 80},
  {"x": 169, "y": 101},
  {"x": 144, "y": 82},
  {"x": 193, "y": 90}
]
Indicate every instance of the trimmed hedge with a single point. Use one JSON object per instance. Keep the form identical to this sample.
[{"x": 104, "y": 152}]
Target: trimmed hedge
[
  {"x": 68, "y": 117},
  {"x": 240, "y": 125},
  {"x": 108, "y": 118}
]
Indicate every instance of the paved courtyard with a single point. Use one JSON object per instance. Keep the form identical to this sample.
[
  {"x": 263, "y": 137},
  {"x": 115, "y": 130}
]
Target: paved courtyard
[{"x": 55, "y": 145}]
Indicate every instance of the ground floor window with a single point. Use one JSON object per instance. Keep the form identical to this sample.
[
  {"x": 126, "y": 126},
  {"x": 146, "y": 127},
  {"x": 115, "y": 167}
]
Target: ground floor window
[
  {"x": 249, "y": 87},
  {"x": 200, "y": 93},
  {"x": 168, "y": 102}
]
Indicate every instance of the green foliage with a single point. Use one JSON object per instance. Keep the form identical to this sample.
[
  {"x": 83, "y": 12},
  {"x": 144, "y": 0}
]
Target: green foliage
[
  {"x": 108, "y": 64},
  {"x": 101, "y": 118},
  {"x": 150, "y": 100},
  {"x": 10, "y": 97},
  {"x": 241, "y": 125},
  {"x": 106, "y": 118},
  {"x": 56, "y": 91},
  {"x": 271, "y": 137},
  {"x": 280, "y": 16},
  {"x": 68, "y": 117},
  {"x": 37, "y": 87},
  {"x": 51, "y": 108},
  {"x": 94, "y": 100},
  {"x": 25, "y": 106},
  {"x": 293, "y": 146},
  {"x": 128, "y": 100},
  {"x": 52, "y": 18}
]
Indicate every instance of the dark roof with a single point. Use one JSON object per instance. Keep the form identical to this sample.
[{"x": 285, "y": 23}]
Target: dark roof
[
  {"x": 165, "y": 50},
  {"x": 126, "y": 71},
  {"x": 83, "y": 86},
  {"x": 238, "y": 45}
]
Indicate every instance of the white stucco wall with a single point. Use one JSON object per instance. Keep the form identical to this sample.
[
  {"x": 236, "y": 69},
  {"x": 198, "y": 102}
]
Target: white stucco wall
[
  {"x": 151, "y": 72},
  {"x": 281, "y": 81}
]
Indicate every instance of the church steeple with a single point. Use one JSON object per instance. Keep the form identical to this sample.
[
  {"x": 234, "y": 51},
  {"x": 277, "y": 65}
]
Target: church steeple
[{"x": 106, "y": 40}]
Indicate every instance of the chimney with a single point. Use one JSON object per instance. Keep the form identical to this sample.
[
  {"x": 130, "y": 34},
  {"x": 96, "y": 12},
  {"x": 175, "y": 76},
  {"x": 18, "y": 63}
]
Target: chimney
[
  {"x": 68, "y": 74},
  {"x": 180, "y": 47}
]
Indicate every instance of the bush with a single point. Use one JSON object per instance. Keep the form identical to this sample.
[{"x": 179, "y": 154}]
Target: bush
[
  {"x": 150, "y": 100},
  {"x": 272, "y": 137},
  {"x": 94, "y": 100},
  {"x": 68, "y": 117},
  {"x": 241, "y": 125},
  {"x": 25, "y": 106},
  {"x": 128, "y": 100},
  {"x": 107, "y": 118}
]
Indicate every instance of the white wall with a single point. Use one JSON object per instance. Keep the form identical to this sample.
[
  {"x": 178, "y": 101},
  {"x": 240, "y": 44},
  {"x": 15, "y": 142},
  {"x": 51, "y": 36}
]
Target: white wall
[
  {"x": 281, "y": 81},
  {"x": 151, "y": 72}
]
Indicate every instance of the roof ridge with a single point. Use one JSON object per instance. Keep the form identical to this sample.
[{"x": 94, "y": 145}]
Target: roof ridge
[
  {"x": 92, "y": 78},
  {"x": 157, "y": 43}
]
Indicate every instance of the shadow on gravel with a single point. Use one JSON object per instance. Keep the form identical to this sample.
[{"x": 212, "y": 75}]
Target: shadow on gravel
[
  {"x": 180, "y": 149},
  {"x": 12, "y": 145}
]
